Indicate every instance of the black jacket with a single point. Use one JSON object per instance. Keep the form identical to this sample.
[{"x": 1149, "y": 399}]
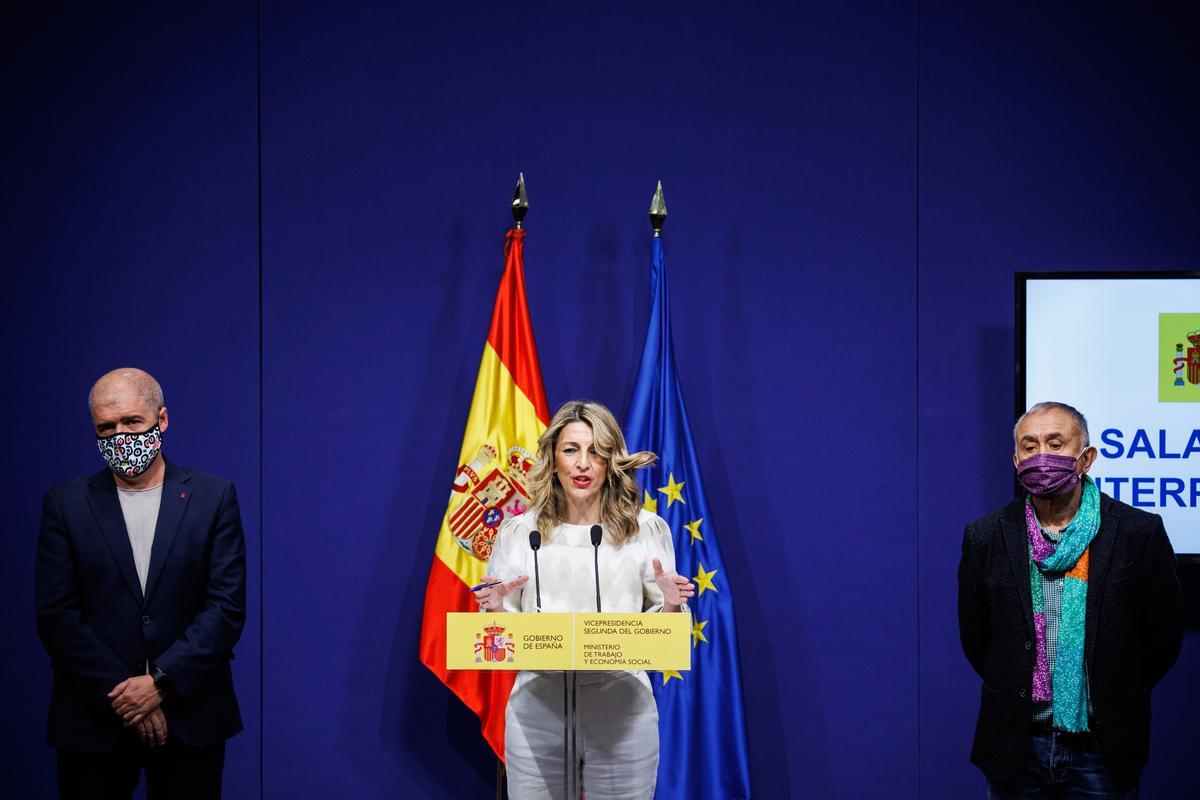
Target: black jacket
[
  {"x": 1134, "y": 629},
  {"x": 99, "y": 629}
]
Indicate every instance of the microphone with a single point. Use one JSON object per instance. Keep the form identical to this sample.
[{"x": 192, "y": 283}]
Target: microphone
[
  {"x": 535, "y": 543},
  {"x": 597, "y": 535}
]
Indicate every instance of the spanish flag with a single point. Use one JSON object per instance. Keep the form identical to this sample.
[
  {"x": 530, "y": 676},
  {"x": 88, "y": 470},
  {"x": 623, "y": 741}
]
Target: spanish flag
[{"x": 508, "y": 414}]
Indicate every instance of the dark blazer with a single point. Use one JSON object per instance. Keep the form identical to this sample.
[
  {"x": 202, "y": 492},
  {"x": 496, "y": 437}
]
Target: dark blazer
[
  {"x": 99, "y": 629},
  {"x": 1134, "y": 629}
]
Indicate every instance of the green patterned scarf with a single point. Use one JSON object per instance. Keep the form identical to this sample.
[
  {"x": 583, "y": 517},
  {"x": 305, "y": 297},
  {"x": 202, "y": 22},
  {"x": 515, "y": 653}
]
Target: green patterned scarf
[{"x": 1070, "y": 555}]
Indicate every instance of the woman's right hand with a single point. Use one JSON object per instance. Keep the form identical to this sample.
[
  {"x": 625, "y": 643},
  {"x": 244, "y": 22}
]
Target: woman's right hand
[{"x": 491, "y": 598}]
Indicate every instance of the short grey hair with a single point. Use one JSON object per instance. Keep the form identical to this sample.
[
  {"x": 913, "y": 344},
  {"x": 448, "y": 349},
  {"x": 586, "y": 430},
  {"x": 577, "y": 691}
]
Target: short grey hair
[{"x": 1050, "y": 405}]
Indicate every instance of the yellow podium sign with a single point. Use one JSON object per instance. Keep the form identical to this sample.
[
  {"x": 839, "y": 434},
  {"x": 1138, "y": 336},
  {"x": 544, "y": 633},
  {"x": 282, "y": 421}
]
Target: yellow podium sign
[
  {"x": 565, "y": 641},
  {"x": 508, "y": 641},
  {"x": 633, "y": 641}
]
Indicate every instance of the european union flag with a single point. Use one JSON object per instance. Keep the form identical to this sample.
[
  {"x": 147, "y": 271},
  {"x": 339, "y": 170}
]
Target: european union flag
[{"x": 701, "y": 727}]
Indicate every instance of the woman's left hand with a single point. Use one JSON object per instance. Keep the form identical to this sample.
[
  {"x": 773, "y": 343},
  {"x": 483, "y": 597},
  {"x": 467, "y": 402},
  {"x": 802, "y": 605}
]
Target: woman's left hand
[{"x": 676, "y": 589}]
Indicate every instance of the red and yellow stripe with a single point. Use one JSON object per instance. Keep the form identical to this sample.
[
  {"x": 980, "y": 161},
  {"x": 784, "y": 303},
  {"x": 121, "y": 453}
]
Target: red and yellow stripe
[{"x": 508, "y": 409}]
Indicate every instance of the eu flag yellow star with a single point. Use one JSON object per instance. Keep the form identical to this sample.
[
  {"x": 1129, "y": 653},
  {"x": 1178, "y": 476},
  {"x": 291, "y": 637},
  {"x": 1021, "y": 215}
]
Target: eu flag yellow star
[
  {"x": 694, "y": 529},
  {"x": 670, "y": 673},
  {"x": 649, "y": 503},
  {"x": 673, "y": 490},
  {"x": 704, "y": 580},
  {"x": 698, "y": 631}
]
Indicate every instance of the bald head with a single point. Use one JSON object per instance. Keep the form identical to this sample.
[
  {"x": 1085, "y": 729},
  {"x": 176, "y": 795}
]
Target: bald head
[{"x": 117, "y": 385}]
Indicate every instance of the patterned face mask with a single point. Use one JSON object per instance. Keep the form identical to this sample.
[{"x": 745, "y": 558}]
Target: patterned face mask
[{"x": 130, "y": 454}]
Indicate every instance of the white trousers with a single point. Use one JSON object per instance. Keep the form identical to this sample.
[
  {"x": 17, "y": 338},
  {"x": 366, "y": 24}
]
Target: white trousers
[{"x": 616, "y": 739}]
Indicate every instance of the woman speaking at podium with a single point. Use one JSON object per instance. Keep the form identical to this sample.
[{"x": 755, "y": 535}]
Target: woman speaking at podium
[{"x": 584, "y": 478}]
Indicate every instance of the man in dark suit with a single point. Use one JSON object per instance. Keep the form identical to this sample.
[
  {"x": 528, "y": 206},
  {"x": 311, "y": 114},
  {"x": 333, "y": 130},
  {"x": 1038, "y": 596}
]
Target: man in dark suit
[
  {"x": 141, "y": 596},
  {"x": 1070, "y": 610}
]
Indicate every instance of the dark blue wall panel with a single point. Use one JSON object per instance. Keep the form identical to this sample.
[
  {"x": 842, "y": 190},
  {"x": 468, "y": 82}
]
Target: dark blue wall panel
[
  {"x": 1050, "y": 139},
  {"x": 130, "y": 239},
  {"x": 785, "y": 142},
  {"x": 381, "y": 207}
]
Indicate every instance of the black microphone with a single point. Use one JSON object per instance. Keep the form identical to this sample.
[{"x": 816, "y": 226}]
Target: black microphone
[
  {"x": 597, "y": 535},
  {"x": 535, "y": 543}
]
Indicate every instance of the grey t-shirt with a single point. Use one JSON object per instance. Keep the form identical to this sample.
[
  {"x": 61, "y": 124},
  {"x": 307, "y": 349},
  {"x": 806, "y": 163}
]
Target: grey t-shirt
[{"x": 140, "y": 509}]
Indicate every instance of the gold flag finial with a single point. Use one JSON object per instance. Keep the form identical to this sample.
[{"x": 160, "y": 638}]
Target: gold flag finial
[
  {"x": 658, "y": 210},
  {"x": 520, "y": 202}
]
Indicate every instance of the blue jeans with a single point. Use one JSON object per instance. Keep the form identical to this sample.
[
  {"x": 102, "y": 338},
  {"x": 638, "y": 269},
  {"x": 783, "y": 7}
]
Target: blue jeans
[{"x": 1061, "y": 766}]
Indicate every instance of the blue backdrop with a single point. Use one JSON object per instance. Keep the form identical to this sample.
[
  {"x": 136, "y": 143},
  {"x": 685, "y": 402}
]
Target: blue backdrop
[{"x": 294, "y": 214}]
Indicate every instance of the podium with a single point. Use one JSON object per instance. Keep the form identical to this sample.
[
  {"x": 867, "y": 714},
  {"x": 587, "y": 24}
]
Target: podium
[{"x": 569, "y": 642}]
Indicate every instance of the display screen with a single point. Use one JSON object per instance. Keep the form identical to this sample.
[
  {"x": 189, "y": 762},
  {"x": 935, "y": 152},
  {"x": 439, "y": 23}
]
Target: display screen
[{"x": 1124, "y": 349}]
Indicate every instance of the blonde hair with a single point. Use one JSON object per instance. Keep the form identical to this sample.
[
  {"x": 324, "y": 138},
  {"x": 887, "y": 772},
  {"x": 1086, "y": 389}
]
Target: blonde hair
[{"x": 620, "y": 497}]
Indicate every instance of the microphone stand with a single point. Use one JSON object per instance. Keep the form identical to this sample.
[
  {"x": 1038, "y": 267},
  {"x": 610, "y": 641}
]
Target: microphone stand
[
  {"x": 570, "y": 791},
  {"x": 571, "y": 691},
  {"x": 570, "y": 682}
]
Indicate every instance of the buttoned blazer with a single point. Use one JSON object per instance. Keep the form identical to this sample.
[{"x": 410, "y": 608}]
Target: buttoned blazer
[
  {"x": 1133, "y": 632},
  {"x": 99, "y": 628}
]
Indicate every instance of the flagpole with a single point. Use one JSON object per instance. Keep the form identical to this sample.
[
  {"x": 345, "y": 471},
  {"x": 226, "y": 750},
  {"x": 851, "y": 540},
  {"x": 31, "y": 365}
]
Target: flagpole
[
  {"x": 508, "y": 415},
  {"x": 519, "y": 207},
  {"x": 703, "y": 753}
]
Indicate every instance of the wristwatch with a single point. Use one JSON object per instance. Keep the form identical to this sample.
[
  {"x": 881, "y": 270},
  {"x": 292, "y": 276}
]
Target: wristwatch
[{"x": 159, "y": 677}]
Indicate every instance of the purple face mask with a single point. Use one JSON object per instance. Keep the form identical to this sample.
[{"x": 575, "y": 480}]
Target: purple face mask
[{"x": 1048, "y": 475}]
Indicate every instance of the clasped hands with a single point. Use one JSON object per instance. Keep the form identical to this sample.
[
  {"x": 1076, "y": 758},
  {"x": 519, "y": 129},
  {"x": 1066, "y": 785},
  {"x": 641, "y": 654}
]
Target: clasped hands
[
  {"x": 676, "y": 589},
  {"x": 137, "y": 701}
]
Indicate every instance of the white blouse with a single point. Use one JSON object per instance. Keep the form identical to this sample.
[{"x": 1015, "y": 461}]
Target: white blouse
[{"x": 565, "y": 564}]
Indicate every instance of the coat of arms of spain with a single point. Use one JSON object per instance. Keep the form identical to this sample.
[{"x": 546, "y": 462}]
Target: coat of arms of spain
[{"x": 491, "y": 493}]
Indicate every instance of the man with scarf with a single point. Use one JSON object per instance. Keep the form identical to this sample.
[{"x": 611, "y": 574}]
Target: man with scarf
[
  {"x": 1070, "y": 610},
  {"x": 140, "y": 597}
]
